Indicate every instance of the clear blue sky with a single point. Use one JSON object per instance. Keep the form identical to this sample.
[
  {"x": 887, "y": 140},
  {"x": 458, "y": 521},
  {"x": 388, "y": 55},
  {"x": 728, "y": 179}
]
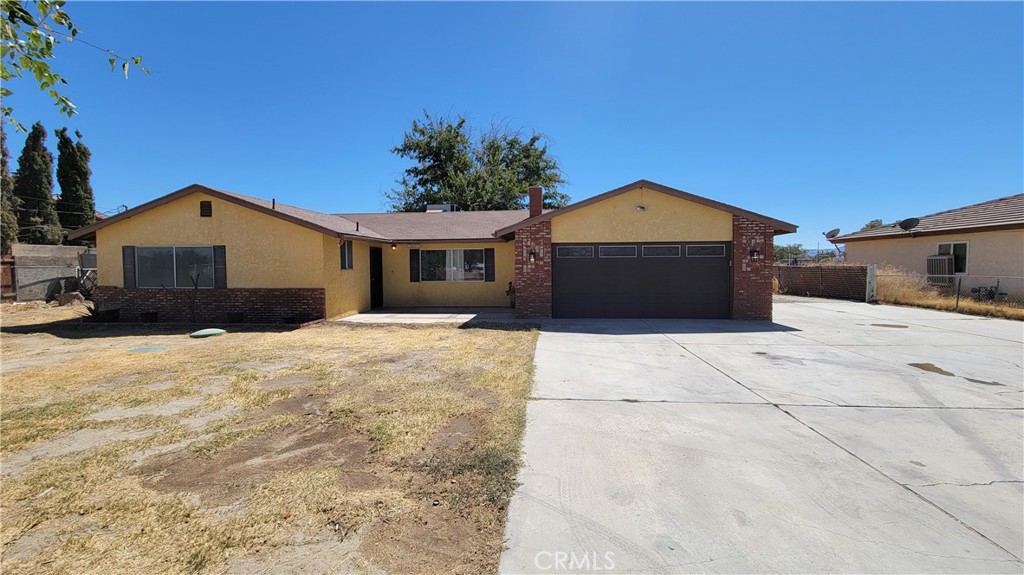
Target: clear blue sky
[{"x": 824, "y": 115}]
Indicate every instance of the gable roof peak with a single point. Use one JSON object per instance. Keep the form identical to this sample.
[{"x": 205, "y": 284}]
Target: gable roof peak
[{"x": 779, "y": 226}]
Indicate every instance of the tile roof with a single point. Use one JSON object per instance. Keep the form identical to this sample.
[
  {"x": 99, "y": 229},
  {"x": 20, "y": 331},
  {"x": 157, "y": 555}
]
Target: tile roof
[
  {"x": 437, "y": 226},
  {"x": 1001, "y": 213}
]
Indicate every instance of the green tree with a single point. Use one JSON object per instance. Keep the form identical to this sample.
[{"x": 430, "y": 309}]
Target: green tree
[
  {"x": 872, "y": 225},
  {"x": 28, "y": 35},
  {"x": 491, "y": 173},
  {"x": 37, "y": 215},
  {"x": 785, "y": 253},
  {"x": 8, "y": 203},
  {"x": 75, "y": 206}
]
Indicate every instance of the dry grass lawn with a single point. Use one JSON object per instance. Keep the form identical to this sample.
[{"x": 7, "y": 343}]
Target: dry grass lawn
[
  {"x": 333, "y": 448},
  {"x": 897, "y": 287}
]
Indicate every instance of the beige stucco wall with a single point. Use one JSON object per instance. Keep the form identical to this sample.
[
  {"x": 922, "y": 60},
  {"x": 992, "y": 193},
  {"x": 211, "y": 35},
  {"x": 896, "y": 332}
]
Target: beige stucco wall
[
  {"x": 999, "y": 253},
  {"x": 346, "y": 291},
  {"x": 400, "y": 292},
  {"x": 666, "y": 219},
  {"x": 261, "y": 251}
]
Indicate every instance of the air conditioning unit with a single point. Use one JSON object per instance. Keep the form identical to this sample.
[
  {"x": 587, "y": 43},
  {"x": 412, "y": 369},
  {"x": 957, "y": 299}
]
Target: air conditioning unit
[{"x": 940, "y": 270}]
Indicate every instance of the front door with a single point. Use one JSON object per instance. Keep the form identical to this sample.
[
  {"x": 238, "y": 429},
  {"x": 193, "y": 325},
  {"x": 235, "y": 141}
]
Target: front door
[{"x": 376, "y": 278}]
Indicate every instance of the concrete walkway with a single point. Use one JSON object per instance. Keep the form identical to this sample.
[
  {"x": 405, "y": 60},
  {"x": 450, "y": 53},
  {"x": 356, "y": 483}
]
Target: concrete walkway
[
  {"x": 844, "y": 437},
  {"x": 427, "y": 315}
]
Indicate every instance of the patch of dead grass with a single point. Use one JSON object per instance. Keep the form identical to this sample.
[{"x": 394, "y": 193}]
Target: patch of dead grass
[
  {"x": 443, "y": 410},
  {"x": 899, "y": 287}
]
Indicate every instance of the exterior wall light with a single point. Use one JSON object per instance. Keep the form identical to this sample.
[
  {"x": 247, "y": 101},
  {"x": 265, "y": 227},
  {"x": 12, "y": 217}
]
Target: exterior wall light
[
  {"x": 533, "y": 257},
  {"x": 394, "y": 246},
  {"x": 756, "y": 255}
]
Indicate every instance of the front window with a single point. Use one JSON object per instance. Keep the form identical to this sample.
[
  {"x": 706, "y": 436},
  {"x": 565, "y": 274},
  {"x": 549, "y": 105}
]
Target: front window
[
  {"x": 451, "y": 265},
  {"x": 346, "y": 255},
  {"x": 959, "y": 252},
  {"x": 174, "y": 267}
]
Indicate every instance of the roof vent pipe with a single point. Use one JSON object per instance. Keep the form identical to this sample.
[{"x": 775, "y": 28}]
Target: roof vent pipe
[
  {"x": 357, "y": 226},
  {"x": 273, "y": 204}
]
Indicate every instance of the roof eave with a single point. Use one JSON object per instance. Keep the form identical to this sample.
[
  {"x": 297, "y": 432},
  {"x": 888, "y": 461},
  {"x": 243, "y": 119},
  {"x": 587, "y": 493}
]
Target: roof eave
[
  {"x": 916, "y": 234},
  {"x": 88, "y": 232},
  {"x": 780, "y": 227},
  {"x": 447, "y": 240}
]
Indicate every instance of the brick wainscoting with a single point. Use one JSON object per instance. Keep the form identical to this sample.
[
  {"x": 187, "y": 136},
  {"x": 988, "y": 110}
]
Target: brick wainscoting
[
  {"x": 291, "y": 305},
  {"x": 752, "y": 279},
  {"x": 533, "y": 280}
]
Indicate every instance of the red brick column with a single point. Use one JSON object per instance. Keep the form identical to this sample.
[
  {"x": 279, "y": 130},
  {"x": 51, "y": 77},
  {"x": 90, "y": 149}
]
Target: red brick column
[
  {"x": 752, "y": 279},
  {"x": 533, "y": 280}
]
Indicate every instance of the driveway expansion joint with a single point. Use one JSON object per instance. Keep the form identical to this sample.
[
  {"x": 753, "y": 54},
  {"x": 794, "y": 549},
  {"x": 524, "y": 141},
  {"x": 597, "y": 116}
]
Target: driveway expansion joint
[{"x": 997, "y": 481}]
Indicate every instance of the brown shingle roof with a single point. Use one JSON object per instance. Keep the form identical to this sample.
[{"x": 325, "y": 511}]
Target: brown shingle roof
[
  {"x": 333, "y": 223},
  {"x": 323, "y": 223},
  {"x": 438, "y": 226},
  {"x": 1002, "y": 213}
]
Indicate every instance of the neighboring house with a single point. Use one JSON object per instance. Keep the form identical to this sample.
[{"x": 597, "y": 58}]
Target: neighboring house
[
  {"x": 642, "y": 250},
  {"x": 984, "y": 242}
]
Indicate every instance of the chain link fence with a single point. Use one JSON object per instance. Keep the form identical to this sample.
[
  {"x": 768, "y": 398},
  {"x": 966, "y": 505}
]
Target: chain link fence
[
  {"x": 987, "y": 295},
  {"x": 998, "y": 296}
]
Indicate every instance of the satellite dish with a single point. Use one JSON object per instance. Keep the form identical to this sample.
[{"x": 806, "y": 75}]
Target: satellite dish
[
  {"x": 909, "y": 224},
  {"x": 832, "y": 233}
]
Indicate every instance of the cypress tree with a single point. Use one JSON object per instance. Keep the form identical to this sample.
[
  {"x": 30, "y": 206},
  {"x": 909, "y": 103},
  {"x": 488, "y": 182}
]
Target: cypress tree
[
  {"x": 8, "y": 203},
  {"x": 75, "y": 206},
  {"x": 37, "y": 216}
]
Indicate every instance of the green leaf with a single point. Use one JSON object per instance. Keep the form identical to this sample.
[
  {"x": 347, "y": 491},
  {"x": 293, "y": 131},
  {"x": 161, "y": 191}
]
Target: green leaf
[{"x": 113, "y": 62}]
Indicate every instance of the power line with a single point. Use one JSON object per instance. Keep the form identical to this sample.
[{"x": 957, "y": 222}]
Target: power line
[{"x": 57, "y": 211}]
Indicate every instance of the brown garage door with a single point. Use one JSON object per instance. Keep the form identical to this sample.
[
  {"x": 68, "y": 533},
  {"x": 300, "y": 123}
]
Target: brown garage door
[{"x": 679, "y": 280}]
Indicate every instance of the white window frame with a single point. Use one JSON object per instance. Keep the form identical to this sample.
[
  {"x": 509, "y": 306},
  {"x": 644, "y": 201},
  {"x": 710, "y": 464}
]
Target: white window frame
[
  {"x": 725, "y": 250},
  {"x": 967, "y": 255},
  {"x": 174, "y": 267},
  {"x": 346, "y": 250},
  {"x": 636, "y": 252},
  {"x": 679, "y": 250},
  {"x": 448, "y": 275},
  {"x": 558, "y": 252}
]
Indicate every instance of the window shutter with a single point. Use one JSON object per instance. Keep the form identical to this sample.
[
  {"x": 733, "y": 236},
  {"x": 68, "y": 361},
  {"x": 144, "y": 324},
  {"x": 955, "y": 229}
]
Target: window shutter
[
  {"x": 128, "y": 262},
  {"x": 489, "y": 264},
  {"x": 220, "y": 280},
  {"x": 414, "y": 265}
]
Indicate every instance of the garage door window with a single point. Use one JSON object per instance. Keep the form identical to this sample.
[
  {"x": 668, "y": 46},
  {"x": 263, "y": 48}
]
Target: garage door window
[
  {"x": 574, "y": 251},
  {"x": 661, "y": 251},
  {"x": 706, "y": 251},
  {"x": 616, "y": 251},
  {"x": 452, "y": 265}
]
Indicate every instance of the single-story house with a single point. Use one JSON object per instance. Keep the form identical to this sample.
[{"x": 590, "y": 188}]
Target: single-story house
[
  {"x": 981, "y": 242},
  {"x": 641, "y": 250}
]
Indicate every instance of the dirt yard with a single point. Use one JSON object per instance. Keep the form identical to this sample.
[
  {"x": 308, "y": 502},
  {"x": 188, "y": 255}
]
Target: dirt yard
[{"x": 327, "y": 449}]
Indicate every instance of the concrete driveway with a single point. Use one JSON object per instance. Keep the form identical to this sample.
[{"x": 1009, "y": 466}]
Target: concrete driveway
[{"x": 844, "y": 437}]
